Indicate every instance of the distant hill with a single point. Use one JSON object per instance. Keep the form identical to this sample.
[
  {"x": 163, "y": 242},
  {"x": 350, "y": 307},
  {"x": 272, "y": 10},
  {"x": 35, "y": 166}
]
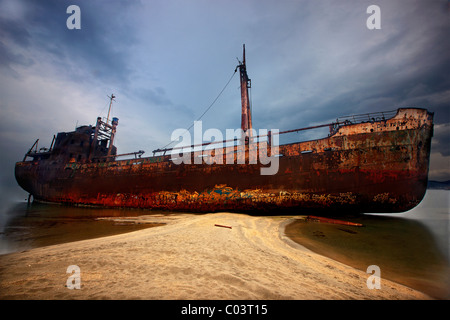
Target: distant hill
[{"x": 442, "y": 185}]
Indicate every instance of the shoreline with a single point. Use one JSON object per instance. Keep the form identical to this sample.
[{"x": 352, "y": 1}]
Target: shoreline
[
  {"x": 191, "y": 258},
  {"x": 402, "y": 249}
]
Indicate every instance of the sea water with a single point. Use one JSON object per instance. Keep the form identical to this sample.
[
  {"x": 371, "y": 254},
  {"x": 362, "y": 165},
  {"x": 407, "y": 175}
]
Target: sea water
[
  {"x": 411, "y": 248},
  {"x": 24, "y": 227}
]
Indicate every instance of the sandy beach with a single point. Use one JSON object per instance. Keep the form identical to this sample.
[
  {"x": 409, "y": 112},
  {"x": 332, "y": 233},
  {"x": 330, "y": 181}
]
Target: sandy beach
[{"x": 191, "y": 258}]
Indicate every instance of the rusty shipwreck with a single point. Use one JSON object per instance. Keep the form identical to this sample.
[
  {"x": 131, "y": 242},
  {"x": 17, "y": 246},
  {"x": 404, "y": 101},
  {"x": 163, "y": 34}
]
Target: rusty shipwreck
[{"x": 368, "y": 163}]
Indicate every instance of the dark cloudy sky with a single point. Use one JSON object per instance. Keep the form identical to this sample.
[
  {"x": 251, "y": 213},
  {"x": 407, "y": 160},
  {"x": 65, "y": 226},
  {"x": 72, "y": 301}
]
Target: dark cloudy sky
[{"x": 166, "y": 61}]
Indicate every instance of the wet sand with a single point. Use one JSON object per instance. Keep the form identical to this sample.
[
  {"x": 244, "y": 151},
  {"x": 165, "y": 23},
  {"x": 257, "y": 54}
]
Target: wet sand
[
  {"x": 25, "y": 227},
  {"x": 191, "y": 258},
  {"x": 404, "y": 249}
]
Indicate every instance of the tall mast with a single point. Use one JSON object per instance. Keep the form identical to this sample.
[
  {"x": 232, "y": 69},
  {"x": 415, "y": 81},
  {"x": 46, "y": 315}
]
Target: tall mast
[
  {"x": 110, "y": 104},
  {"x": 246, "y": 120}
]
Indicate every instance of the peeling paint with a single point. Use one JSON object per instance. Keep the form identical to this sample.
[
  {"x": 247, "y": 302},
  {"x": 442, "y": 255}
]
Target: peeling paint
[{"x": 379, "y": 166}]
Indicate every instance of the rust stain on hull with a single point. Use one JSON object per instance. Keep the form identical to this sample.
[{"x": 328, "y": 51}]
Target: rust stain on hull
[{"x": 377, "y": 166}]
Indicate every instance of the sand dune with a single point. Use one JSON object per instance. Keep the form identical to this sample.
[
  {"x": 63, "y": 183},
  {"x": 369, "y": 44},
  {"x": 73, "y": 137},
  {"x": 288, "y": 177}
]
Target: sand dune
[{"x": 190, "y": 258}]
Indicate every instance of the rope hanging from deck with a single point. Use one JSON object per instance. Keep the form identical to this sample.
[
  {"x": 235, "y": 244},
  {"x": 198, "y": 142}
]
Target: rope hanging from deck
[{"x": 207, "y": 109}]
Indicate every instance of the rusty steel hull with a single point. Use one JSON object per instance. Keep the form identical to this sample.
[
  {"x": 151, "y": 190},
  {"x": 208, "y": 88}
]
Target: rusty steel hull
[{"x": 379, "y": 166}]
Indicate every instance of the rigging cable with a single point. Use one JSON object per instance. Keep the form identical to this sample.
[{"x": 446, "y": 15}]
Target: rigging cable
[
  {"x": 106, "y": 105},
  {"x": 207, "y": 109}
]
